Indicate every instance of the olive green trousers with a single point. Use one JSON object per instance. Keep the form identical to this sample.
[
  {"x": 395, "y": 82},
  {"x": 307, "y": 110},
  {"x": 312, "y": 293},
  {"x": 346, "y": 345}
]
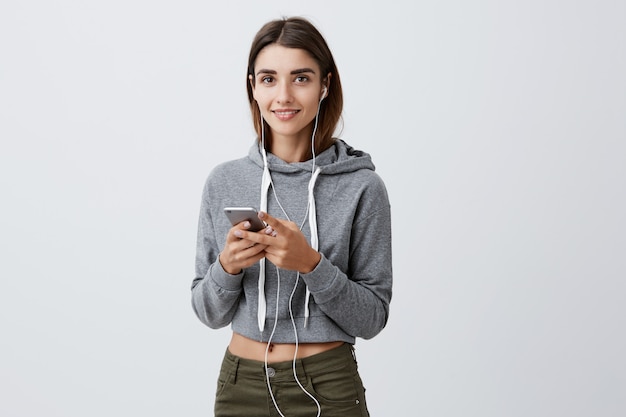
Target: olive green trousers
[{"x": 331, "y": 378}]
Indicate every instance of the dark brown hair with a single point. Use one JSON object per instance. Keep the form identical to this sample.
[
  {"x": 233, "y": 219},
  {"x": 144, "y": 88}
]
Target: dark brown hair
[{"x": 296, "y": 32}]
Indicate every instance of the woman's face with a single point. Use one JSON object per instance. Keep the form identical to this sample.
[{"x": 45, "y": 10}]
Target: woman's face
[{"x": 287, "y": 87}]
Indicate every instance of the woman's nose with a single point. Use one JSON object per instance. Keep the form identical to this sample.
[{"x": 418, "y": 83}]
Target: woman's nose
[{"x": 284, "y": 94}]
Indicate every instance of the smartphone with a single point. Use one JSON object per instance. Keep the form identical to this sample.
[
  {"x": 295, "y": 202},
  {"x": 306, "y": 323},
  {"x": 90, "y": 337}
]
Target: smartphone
[{"x": 240, "y": 214}]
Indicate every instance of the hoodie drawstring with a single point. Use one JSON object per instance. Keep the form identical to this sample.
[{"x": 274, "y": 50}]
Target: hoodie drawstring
[
  {"x": 314, "y": 237},
  {"x": 265, "y": 186}
]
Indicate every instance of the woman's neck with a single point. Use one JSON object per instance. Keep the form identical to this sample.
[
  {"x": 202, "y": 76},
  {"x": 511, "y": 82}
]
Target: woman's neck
[{"x": 291, "y": 149}]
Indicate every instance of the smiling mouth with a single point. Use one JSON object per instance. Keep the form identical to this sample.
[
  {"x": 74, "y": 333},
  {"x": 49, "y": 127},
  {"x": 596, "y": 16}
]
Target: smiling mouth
[{"x": 285, "y": 114}]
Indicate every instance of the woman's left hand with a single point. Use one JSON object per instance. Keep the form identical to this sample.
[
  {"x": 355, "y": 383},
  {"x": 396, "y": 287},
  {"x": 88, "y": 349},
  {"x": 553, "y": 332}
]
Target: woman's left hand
[{"x": 287, "y": 247}]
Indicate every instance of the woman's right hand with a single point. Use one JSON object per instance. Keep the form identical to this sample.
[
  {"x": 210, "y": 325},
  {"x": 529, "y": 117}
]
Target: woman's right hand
[{"x": 240, "y": 253}]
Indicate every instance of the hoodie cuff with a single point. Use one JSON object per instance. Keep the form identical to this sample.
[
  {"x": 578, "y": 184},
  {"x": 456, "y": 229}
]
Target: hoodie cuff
[
  {"x": 225, "y": 280},
  {"x": 324, "y": 280}
]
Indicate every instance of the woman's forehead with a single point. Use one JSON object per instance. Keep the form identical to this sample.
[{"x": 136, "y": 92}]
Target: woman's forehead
[{"x": 276, "y": 58}]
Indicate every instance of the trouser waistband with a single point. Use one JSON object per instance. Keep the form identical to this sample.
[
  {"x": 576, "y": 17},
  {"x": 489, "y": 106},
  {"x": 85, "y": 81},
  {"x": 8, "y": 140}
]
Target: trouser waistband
[{"x": 325, "y": 362}]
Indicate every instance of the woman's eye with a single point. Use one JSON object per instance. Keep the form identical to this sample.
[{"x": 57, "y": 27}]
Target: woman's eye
[
  {"x": 302, "y": 79},
  {"x": 267, "y": 80}
]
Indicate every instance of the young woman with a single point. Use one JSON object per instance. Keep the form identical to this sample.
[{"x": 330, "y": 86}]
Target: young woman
[{"x": 299, "y": 291}]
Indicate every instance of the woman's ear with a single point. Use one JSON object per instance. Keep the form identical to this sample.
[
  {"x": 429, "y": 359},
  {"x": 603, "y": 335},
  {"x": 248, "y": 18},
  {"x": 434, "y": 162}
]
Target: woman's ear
[
  {"x": 251, "y": 81},
  {"x": 326, "y": 83}
]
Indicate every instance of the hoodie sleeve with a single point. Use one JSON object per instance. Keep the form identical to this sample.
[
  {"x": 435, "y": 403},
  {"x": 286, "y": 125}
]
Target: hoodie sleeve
[
  {"x": 214, "y": 292},
  {"x": 358, "y": 299}
]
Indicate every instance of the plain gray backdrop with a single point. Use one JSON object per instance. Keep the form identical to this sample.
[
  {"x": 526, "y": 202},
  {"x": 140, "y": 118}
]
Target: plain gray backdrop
[{"x": 499, "y": 128}]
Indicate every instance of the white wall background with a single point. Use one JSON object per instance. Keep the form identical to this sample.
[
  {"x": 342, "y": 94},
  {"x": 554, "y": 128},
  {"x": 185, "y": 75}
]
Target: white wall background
[{"x": 498, "y": 126}]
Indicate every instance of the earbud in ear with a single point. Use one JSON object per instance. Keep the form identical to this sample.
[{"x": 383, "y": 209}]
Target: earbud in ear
[{"x": 324, "y": 91}]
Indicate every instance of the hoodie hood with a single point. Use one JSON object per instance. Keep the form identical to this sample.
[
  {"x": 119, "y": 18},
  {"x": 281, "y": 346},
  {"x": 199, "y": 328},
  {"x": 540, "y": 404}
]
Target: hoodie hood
[{"x": 338, "y": 159}]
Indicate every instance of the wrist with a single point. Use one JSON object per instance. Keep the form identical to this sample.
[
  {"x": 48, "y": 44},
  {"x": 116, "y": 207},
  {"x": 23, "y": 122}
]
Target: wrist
[
  {"x": 314, "y": 260},
  {"x": 228, "y": 269}
]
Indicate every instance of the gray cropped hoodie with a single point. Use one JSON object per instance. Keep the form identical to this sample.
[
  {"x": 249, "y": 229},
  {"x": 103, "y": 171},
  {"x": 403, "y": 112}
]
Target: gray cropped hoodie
[{"x": 346, "y": 296}]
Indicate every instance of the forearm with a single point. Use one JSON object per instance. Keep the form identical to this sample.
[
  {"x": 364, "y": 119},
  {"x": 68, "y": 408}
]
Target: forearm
[
  {"x": 215, "y": 296},
  {"x": 360, "y": 306}
]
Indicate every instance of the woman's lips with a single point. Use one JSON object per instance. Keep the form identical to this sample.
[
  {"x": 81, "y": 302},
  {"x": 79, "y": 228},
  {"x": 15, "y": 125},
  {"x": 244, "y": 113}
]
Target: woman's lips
[{"x": 285, "y": 115}]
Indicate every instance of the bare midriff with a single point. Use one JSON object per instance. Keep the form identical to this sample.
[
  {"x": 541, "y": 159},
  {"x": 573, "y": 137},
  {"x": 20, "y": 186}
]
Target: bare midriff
[{"x": 277, "y": 352}]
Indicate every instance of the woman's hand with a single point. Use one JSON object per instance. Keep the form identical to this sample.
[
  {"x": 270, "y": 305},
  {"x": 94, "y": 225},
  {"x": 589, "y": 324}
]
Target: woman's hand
[
  {"x": 284, "y": 244},
  {"x": 240, "y": 253}
]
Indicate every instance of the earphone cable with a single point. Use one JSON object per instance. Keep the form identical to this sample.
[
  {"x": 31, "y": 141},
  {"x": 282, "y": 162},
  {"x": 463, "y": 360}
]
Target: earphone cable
[{"x": 293, "y": 322}]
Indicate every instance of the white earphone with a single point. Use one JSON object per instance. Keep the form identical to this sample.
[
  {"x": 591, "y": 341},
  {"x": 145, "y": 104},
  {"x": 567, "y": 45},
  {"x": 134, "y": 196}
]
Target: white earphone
[{"x": 324, "y": 91}]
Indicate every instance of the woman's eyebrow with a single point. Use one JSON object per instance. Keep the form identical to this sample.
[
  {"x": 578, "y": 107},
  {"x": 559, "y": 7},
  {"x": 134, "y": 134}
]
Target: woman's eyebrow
[
  {"x": 302, "y": 70},
  {"x": 296, "y": 71}
]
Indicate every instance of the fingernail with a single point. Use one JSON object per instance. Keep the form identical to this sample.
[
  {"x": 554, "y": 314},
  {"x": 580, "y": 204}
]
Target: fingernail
[
  {"x": 238, "y": 233},
  {"x": 261, "y": 214},
  {"x": 246, "y": 224},
  {"x": 274, "y": 234}
]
